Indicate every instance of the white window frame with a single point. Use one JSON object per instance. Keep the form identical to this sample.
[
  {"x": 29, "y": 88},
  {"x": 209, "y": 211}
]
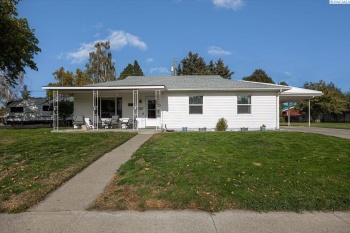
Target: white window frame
[
  {"x": 249, "y": 104},
  {"x": 195, "y": 104}
]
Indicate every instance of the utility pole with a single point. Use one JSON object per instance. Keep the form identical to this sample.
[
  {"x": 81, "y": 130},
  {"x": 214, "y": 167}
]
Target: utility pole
[{"x": 174, "y": 68}]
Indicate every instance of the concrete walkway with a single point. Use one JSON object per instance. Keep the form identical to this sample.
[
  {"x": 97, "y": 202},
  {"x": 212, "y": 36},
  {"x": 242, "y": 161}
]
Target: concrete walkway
[
  {"x": 80, "y": 191},
  {"x": 341, "y": 133},
  {"x": 175, "y": 221}
]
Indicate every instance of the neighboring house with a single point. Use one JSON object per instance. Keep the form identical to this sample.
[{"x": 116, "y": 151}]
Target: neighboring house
[
  {"x": 33, "y": 110},
  {"x": 184, "y": 101},
  {"x": 291, "y": 112}
]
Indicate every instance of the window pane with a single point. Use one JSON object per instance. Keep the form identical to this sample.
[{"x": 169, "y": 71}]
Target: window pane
[
  {"x": 196, "y": 99},
  {"x": 107, "y": 108},
  {"x": 243, "y": 109},
  {"x": 16, "y": 109},
  {"x": 196, "y": 109},
  {"x": 243, "y": 100}
]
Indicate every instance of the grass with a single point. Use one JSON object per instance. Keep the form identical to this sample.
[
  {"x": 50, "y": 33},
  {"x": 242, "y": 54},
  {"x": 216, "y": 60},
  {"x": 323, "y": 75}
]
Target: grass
[
  {"x": 34, "y": 162},
  {"x": 320, "y": 124},
  {"x": 260, "y": 171}
]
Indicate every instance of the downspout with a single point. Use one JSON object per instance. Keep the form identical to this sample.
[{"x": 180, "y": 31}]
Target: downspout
[{"x": 278, "y": 109}]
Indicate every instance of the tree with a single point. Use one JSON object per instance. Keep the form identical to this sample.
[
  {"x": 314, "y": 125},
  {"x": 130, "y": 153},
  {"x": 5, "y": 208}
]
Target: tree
[
  {"x": 137, "y": 69},
  {"x": 18, "y": 44},
  {"x": 332, "y": 100},
  {"x": 63, "y": 78},
  {"x": 10, "y": 92},
  {"x": 259, "y": 75},
  {"x": 221, "y": 69},
  {"x": 131, "y": 70},
  {"x": 128, "y": 71},
  {"x": 192, "y": 65},
  {"x": 195, "y": 65},
  {"x": 100, "y": 67},
  {"x": 283, "y": 83},
  {"x": 80, "y": 78},
  {"x": 25, "y": 93}
]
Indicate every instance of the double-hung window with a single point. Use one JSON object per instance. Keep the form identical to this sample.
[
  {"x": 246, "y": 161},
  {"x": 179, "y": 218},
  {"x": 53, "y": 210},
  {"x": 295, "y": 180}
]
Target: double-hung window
[
  {"x": 196, "y": 104},
  {"x": 244, "y": 104}
]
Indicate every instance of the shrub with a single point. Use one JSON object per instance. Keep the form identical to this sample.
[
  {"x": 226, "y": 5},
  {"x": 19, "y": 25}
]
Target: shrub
[{"x": 221, "y": 125}]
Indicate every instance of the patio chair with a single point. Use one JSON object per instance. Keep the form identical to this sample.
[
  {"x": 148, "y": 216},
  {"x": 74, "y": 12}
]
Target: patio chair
[
  {"x": 115, "y": 123},
  {"x": 88, "y": 123},
  {"x": 130, "y": 124},
  {"x": 78, "y": 120}
]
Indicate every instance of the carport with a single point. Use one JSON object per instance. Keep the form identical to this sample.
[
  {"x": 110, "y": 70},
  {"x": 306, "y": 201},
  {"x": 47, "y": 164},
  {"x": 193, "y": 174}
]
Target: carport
[{"x": 296, "y": 94}]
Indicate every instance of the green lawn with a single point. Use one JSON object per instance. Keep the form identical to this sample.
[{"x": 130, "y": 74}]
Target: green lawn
[
  {"x": 34, "y": 162},
  {"x": 321, "y": 125},
  {"x": 261, "y": 171}
]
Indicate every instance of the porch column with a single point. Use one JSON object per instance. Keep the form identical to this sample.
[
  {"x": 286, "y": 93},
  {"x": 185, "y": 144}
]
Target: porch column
[
  {"x": 278, "y": 111},
  {"x": 288, "y": 113},
  {"x": 55, "y": 113},
  {"x": 135, "y": 115},
  {"x": 309, "y": 113},
  {"x": 158, "y": 104},
  {"x": 95, "y": 117}
]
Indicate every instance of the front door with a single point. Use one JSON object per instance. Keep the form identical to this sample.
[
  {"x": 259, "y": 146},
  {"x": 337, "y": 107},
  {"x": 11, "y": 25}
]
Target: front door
[{"x": 151, "y": 115}]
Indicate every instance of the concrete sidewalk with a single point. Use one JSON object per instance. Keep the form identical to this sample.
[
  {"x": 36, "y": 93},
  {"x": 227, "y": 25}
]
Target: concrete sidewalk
[
  {"x": 79, "y": 192},
  {"x": 175, "y": 221},
  {"x": 341, "y": 133}
]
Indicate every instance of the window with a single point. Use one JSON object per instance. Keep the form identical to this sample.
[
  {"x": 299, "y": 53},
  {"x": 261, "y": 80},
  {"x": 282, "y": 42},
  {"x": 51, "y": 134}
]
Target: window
[
  {"x": 46, "y": 108},
  {"x": 244, "y": 104},
  {"x": 196, "y": 104},
  {"x": 16, "y": 109},
  {"x": 107, "y": 108}
]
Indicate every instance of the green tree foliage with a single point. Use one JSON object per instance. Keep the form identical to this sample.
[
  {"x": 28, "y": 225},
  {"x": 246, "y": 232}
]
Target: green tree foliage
[
  {"x": 137, "y": 69},
  {"x": 259, "y": 75},
  {"x": 100, "y": 67},
  {"x": 18, "y": 44},
  {"x": 222, "y": 70},
  {"x": 221, "y": 125},
  {"x": 193, "y": 64},
  {"x": 283, "y": 83},
  {"x": 131, "y": 70},
  {"x": 332, "y": 100},
  {"x": 25, "y": 93}
]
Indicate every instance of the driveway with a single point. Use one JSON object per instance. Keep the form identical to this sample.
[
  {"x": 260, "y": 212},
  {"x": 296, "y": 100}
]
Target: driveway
[{"x": 341, "y": 133}]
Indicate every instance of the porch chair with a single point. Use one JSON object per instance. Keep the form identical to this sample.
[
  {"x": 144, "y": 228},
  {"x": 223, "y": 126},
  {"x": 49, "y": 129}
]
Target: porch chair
[
  {"x": 88, "y": 123},
  {"x": 115, "y": 123},
  {"x": 78, "y": 120},
  {"x": 130, "y": 124}
]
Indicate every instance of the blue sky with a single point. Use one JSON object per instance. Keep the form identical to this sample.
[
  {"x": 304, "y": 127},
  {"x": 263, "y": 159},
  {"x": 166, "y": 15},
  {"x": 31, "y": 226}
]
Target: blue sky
[{"x": 296, "y": 41}]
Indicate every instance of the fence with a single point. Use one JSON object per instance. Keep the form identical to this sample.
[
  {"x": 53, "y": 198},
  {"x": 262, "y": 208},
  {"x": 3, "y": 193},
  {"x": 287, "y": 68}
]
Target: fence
[{"x": 330, "y": 117}]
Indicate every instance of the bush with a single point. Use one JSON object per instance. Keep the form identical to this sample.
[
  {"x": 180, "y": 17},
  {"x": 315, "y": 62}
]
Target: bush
[{"x": 221, "y": 125}]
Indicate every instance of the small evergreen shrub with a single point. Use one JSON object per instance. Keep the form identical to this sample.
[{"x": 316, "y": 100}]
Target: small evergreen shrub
[{"x": 221, "y": 125}]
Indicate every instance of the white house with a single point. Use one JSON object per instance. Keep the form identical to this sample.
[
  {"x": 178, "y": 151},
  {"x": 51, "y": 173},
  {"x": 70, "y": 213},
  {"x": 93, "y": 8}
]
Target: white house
[{"x": 184, "y": 101}]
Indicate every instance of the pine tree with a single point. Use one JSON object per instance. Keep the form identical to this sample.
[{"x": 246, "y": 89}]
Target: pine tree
[
  {"x": 259, "y": 75},
  {"x": 128, "y": 71},
  {"x": 222, "y": 70},
  {"x": 137, "y": 69}
]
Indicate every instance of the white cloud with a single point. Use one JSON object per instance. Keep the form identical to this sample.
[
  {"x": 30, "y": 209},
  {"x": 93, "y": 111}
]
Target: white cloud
[
  {"x": 117, "y": 39},
  {"x": 120, "y": 39},
  {"x": 97, "y": 35},
  {"x": 214, "y": 50},
  {"x": 149, "y": 60},
  {"x": 229, "y": 4},
  {"x": 159, "y": 70}
]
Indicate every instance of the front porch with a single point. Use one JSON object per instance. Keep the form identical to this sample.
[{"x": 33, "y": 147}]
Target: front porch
[{"x": 140, "y": 106}]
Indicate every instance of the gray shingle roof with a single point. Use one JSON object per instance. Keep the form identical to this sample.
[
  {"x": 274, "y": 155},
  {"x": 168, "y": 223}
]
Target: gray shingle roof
[{"x": 192, "y": 82}]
